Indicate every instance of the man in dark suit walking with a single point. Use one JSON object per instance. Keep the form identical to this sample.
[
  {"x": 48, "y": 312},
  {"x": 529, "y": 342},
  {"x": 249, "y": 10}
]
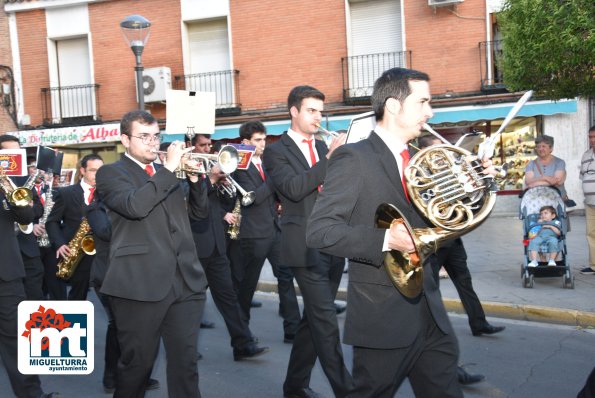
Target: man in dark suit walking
[
  {"x": 27, "y": 241},
  {"x": 209, "y": 237},
  {"x": 66, "y": 217},
  {"x": 12, "y": 293},
  {"x": 260, "y": 235},
  {"x": 296, "y": 165},
  {"x": 393, "y": 336},
  {"x": 156, "y": 284}
]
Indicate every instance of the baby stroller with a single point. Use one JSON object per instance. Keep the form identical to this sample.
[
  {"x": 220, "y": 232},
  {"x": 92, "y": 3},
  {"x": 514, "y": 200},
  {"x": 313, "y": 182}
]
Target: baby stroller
[{"x": 532, "y": 201}]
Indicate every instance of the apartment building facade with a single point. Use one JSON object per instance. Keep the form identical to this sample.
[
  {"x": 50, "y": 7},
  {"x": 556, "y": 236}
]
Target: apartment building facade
[{"x": 74, "y": 73}]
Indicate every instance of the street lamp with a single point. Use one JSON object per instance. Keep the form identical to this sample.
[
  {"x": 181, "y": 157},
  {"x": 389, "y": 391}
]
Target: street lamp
[{"x": 136, "y": 31}]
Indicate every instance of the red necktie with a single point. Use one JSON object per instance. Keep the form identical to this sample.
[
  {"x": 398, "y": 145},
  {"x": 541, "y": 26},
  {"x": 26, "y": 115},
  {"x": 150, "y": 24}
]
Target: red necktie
[
  {"x": 312, "y": 156},
  {"x": 91, "y": 193},
  {"x": 311, "y": 149},
  {"x": 149, "y": 170},
  {"x": 405, "y": 157},
  {"x": 259, "y": 167},
  {"x": 38, "y": 187}
]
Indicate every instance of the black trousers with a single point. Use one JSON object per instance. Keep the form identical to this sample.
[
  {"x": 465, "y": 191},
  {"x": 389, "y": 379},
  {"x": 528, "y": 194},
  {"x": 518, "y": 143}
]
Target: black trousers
[
  {"x": 254, "y": 253},
  {"x": 112, "y": 347},
  {"x": 11, "y": 294},
  {"x": 318, "y": 332},
  {"x": 53, "y": 287},
  {"x": 79, "y": 283},
  {"x": 454, "y": 260},
  {"x": 430, "y": 363},
  {"x": 141, "y": 325},
  {"x": 218, "y": 273},
  {"x": 33, "y": 278}
]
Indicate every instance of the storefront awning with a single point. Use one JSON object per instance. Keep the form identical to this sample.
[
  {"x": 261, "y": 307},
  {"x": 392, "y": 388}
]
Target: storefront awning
[
  {"x": 470, "y": 113},
  {"x": 473, "y": 113}
]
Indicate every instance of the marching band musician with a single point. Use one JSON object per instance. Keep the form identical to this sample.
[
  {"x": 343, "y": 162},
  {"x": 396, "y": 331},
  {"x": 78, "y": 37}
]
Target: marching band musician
[
  {"x": 28, "y": 241},
  {"x": 260, "y": 235},
  {"x": 296, "y": 164},
  {"x": 154, "y": 279},
  {"x": 412, "y": 335},
  {"x": 12, "y": 292},
  {"x": 65, "y": 219},
  {"x": 209, "y": 237}
]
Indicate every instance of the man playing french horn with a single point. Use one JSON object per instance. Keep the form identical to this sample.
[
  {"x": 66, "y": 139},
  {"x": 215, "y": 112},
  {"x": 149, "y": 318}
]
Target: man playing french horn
[{"x": 412, "y": 334}]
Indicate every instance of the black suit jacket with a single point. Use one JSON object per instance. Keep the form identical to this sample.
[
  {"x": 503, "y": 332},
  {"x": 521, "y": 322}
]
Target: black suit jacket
[
  {"x": 296, "y": 184},
  {"x": 151, "y": 235},
  {"x": 11, "y": 262},
  {"x": 360, "y": 177},
  {"x": 66, "y": 215},
  {"x": 96, "y": 214},
  {"x": 208, "y": 230},
  {"x": 259, "y": 220}
]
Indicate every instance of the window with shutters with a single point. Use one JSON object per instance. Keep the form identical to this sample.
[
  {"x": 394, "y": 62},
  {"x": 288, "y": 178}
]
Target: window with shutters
[
  {"x": 209, "y": 66},
  {"x": 375, "y": 43}
]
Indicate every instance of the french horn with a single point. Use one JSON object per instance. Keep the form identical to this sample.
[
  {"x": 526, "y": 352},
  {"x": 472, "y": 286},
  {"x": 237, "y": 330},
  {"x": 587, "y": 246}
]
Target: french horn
[{"x": 451, "y": 192}]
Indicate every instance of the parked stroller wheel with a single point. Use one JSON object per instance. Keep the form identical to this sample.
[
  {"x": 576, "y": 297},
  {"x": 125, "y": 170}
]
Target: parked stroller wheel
[
  {"x": 531, "y": 279},
  {"x": 568, "y": 282}
]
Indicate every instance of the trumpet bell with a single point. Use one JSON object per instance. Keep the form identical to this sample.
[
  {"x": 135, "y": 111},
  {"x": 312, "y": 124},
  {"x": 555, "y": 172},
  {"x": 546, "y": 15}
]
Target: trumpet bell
[
  {"x": 21, "y": 197},
  {"x": 248, "y": 198},
  {"x": 228, "y": 159}
]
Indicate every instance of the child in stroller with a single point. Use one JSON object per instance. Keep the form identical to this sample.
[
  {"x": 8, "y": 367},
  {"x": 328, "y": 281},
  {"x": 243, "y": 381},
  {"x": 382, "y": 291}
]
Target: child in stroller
[
  {"x": 534, "y": 265},
  {"x": 545, "y": 232}
]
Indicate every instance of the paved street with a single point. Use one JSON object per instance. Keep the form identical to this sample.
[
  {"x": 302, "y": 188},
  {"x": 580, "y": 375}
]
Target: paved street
[{"x": 528, "y": 359}]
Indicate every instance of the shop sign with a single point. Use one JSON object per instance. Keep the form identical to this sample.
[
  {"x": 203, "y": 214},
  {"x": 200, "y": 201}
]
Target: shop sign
[{"x": 101, "y": 133}]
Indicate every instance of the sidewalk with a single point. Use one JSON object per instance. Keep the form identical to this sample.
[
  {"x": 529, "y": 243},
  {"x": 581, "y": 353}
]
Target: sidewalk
[{"x": 495, "y": 254}]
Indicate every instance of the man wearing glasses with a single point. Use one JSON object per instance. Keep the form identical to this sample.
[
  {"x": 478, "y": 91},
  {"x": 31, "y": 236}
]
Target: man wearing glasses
[
  {"x": 156, "y": 283},
  {"x": 587, "y": 176}
]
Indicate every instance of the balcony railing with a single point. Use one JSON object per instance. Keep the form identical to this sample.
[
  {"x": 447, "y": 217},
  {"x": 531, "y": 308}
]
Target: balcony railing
[
  {"x": 70, "y": 105},
  {"x": 225, "y": 84},
  {"x": 490, "y": 64},
  {"x": 361, "y": 71}
]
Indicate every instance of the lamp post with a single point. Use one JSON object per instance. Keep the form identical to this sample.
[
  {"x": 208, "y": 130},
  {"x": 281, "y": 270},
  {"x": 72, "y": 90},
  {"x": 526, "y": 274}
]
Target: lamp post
[{"x": 136, "y": 31}]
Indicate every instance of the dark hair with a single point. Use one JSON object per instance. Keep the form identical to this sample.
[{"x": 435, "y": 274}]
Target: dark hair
[
  {"x": 164, "y": 145},
  {"x": 299, "y": 93},
  {"x": 194, "y": 139},
  {"x": 8, "y": 138},
  {"x": 425, "y": 141},
  {"x": 548, "y": 139},
  {"x": 87, "y": 158},
  {"x": 142, "y": 117},
  {"x": 252, "y": 127},
  {"x": 550, "y": 208},
  {"x": 592, "y": 128},
  {"x": 393, "y": 83}
]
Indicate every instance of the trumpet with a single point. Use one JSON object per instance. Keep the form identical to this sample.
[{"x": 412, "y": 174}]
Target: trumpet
[
  {"x": 227, "y": 159},
  {"x": 16, "y": 196}
]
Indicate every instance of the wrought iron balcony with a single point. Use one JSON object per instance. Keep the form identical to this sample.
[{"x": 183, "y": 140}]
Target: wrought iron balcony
[
  {"x": 361, "y": 71},
  {"x": 225, "y": 84},
  {"x": 70, "y": 105},
  {"x": 490, "y": 59}
]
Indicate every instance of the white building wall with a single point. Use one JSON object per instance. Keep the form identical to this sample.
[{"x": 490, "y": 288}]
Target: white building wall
[{"x": 570, "y": 142}]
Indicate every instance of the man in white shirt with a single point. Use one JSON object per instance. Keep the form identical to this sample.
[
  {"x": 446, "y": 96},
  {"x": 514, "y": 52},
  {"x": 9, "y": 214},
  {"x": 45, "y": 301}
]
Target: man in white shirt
[{"x": 587, "y": 176}]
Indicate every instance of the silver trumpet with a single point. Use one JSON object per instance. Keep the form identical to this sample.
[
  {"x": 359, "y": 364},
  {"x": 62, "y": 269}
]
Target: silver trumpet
[
  {"x": 325, "y": 132},
  {"x": 227, "y": 159}
]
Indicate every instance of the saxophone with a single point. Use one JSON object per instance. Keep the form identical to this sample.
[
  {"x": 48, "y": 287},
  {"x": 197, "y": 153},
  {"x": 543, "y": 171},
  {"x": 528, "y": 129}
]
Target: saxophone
[
  {"x": 81, "y": 243},
  {"x": 44, "y": 240},
  {"x": 234, "y": 229}
]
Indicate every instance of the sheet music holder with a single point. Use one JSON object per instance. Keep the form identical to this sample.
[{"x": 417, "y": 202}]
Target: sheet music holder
[
  {"x": 190, "y": 112},
  {"x": 360, "y": 127}
]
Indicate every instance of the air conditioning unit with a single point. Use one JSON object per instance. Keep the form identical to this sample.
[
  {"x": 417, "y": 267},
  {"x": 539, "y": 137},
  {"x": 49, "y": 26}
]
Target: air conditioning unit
[
  {"x": 443, "y": 3},
  {"x": 156, "y": 81}
]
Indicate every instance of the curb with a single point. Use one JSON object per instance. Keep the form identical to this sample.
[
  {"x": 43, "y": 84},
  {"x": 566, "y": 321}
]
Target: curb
[{"x": 532, "y": 313}]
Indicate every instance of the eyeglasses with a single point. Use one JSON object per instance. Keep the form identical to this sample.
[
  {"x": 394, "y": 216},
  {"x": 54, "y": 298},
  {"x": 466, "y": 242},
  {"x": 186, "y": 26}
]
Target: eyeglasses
[{"x": 148, "y": 139}]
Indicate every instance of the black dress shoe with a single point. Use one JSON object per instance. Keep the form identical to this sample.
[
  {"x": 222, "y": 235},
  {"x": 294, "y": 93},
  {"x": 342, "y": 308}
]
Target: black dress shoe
[
  {"x": 340, "y": 308},
  {"x": 301, "y": 393},
  {"x": 288, "y": 338},
  {"x": 255, "y": 304},
  {"x": 488, "y": 329},
  {"x": 207, "y": 325},
  {"x": 250, "y": 351},
  {"x": 467, "y": 378},
  {"x": 198, "y": 356}
]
